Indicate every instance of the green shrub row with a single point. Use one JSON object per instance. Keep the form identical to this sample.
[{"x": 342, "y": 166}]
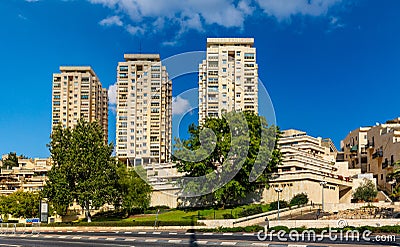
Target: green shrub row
[{"x": 125, "y": 223}]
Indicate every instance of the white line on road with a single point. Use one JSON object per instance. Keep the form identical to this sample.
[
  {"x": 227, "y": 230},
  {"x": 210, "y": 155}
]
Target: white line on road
[
  {"x": 228, "y": 243},
  {"x": 227, "y": 234},
  {"x": 208, "y": 233},
  {"x": 142, "y": 232},
  {"x": 174, "y": 241},
  {"x": 201, "y": 242},
  {"x": 151, "y": 240},
  {"x": 173, "y": 233},
  {"x": 156, "y": 233},
  {"x": 128, "y": 232}
]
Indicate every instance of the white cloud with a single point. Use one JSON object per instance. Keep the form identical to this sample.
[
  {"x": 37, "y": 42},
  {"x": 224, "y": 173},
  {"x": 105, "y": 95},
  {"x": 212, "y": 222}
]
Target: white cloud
[
  {"x": 134, "y": 30},
  {"x": 148, "y": 16},
  {"x": 284, "y": 9},
  {"x": 180, "y": 106},
  {"x": 112, "y": 94},
  {"x": 111, "y": 21}
]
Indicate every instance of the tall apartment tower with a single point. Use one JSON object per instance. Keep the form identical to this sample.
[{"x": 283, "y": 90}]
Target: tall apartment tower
[
  {"x": 144, "y": 110},
  {"x": 78, "y": 93},
  {"x": 228, "y": 78}
]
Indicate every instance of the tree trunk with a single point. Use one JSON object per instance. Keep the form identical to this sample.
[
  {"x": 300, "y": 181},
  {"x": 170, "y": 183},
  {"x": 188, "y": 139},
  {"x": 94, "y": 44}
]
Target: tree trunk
[{"x": 88, "y": 216}]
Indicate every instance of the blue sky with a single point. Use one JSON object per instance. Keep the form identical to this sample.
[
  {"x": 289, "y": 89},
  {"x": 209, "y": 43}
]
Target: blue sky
[{"x": 329, "y": 66}]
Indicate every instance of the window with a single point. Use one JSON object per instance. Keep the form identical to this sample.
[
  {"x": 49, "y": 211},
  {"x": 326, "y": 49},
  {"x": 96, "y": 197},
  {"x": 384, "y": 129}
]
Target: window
[
  {"x": 249, "y": 56},
  {"x": 223, "y": 69}
]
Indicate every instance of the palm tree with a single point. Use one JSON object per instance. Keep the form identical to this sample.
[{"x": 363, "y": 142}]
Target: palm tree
[{"x": 395, "y": 177}]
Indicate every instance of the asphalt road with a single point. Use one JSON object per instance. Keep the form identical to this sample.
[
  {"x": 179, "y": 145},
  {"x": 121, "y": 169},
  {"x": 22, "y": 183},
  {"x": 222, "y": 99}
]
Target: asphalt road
[{"x": 121, "y": 239}]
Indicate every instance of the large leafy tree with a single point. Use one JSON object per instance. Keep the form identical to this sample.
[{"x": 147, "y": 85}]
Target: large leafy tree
[
  {"x": 84, "y": 170},
  {"x": 135, "y": 192},
  {"x": 20, "y": 204},
  {"x": 366, "y": 191},
  {"x": 255, "y": 143}
]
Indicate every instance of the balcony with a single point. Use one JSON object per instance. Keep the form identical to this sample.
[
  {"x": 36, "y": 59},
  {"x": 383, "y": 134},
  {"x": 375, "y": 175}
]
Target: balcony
[
  {"x": 370, "y": 144},
  {"x": 377, "y": 154}
]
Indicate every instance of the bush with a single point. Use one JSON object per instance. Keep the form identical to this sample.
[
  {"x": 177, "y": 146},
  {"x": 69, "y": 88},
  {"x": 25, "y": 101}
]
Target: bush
[
  {"x": 280, "y": 228},
  {"x": 274, "y": 205},
  {"x": 228, "y": 216},
  {"x": 257, "y": 209},
  {"x": 299, "y": 199}
]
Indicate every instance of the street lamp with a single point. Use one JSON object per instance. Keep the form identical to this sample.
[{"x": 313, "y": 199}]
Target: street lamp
[
  {"x": 278, "y": 190},
  {"x": 323, "y": 184}
]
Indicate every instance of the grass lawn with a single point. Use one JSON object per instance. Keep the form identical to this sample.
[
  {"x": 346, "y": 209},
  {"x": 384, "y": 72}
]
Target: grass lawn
[{"x": 181, "y": 215}]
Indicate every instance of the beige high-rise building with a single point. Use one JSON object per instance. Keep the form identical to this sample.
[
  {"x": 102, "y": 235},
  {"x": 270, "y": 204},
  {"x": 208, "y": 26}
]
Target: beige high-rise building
[
  {"x": 144, "y": 110},
  {"x": 228, "y": 78},
  {"x": 78, "y": 93}
]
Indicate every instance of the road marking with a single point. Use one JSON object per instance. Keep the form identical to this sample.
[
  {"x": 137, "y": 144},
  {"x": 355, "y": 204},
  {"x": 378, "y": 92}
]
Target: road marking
[
  {"x": 228, "y": 243},
  {"x": 189, "y": 233},
  {"x": 111, "y": 239},
  {"x": 227, "y": 234},
  {"x": 79, "y": 231},
  {"x": 156, "y": 233},
  {"x": 103, "y": 231},
  {"x": 62, "y": 236},
  {"x": 151, "y": 240},
  {"x": 208, "y": 233},
  {"x": 201, "y": 242},
  {"x": 69, "y": 231},
  {"x": 174, "y": 241},
  {"x": 59, "y": 231},
  {"x": 173, "y": 233},
  {"x": 11, "y": 245},
  {"x": 128, "y": 232},
  {"x": 248, "y": 234},
  {"x": 142, "y": 232}
]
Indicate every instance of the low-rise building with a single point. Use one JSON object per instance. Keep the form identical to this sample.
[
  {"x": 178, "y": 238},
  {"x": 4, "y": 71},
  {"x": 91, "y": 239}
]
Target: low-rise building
[
  {"x": 376, "y": 150},
  {"x": 308, "y": 164},
  {"x": 29, "y": 175}
]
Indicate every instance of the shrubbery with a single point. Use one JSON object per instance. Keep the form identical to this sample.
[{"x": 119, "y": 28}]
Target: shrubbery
[
  {"x": 256, "y": 209},
  {"x": 299, "y": 199},
  {"x": 274, "y": 205}
]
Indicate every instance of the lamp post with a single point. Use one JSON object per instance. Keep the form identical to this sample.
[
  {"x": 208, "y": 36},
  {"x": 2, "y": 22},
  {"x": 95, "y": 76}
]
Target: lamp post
[
  {"x": 278, "y": 190},
  {"x": 323, "y": 184}
]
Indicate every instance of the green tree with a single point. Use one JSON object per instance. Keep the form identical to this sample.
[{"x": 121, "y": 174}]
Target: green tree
[
  {"x": 366, "y": 191},
  {"x": 299, "y": 199},
  {"x": 20, "y": 204},
  {"x": 10, "y": 161},
  {"x": 210, "y": 152},
  {"x": 135, "y": 192},
  {"x": 84, "y": 170}
]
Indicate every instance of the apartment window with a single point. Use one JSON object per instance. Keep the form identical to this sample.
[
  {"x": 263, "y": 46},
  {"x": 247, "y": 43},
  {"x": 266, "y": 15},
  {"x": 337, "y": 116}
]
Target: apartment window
[
  {"x": 85, "y": 97},
  {"x": 123, "y": 68},
  {"x": 223, "y": 86},
  {"x": 224, "y": 61},
  {"x": 223, "y": 69},
  {"x": 249, "y": 56}
]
